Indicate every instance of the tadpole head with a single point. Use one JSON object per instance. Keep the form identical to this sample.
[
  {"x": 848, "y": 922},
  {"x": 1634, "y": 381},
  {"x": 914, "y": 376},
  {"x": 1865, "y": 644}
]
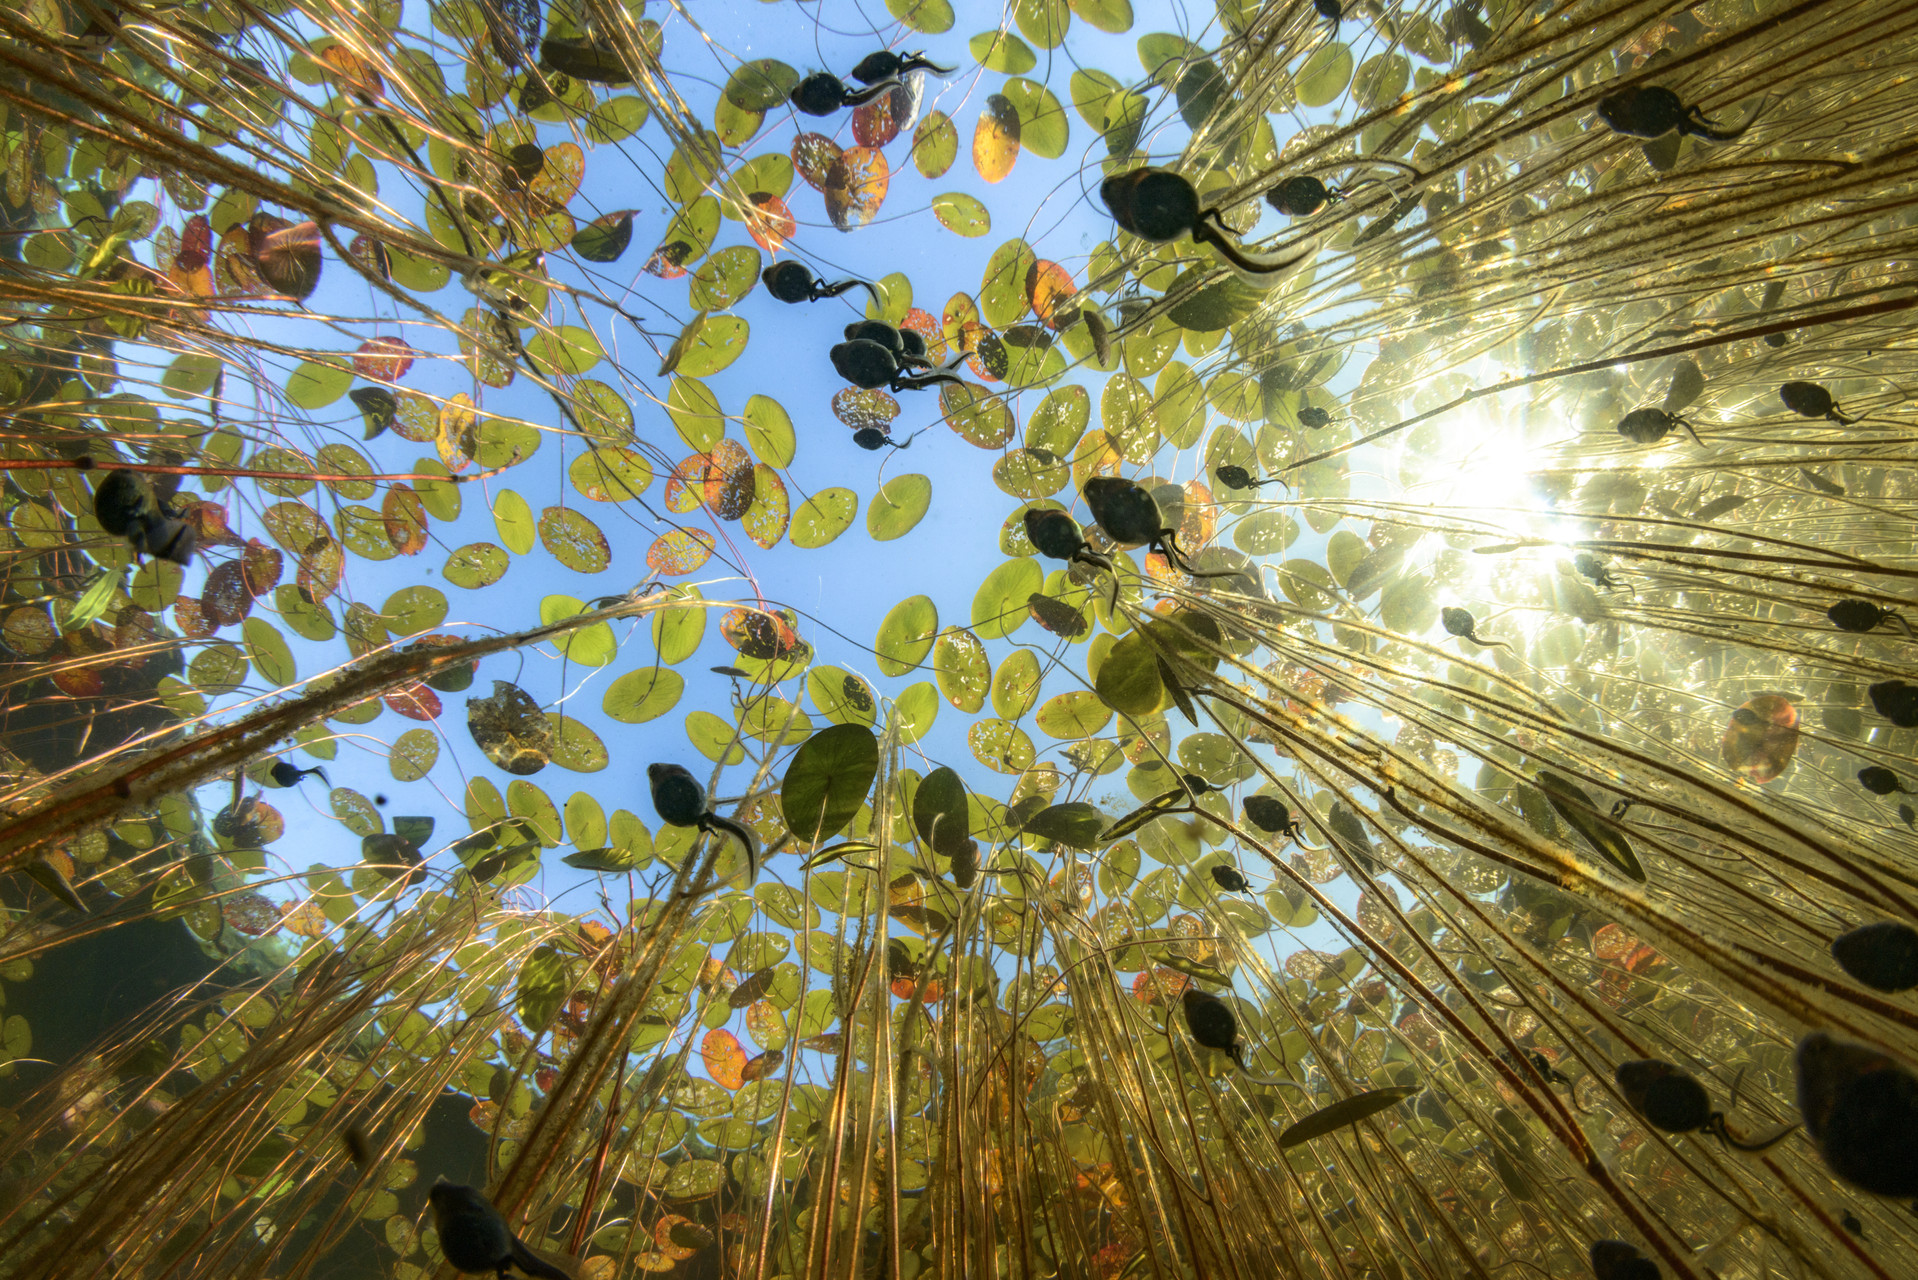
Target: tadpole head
[
  {"x": 1156, "y": 205},
  {"x": 1617, "y": 1260},
  {"x": 876, "y": 331},
  {"x": 1235, "y": 477},
  {"x": 912, "y": 344},
  {"x": 1646, "y": 426},
  {"x": 1314, "y": 417},
  {"x": 678, "y": 797},
  {"x": 1856, "y": 615},
  {"x": 1054, "y": 533},
  {"x": 1459, "y": 622},
  {"x": 1861, "y": 1108},
  {"x": 1126, "y": 510},
  {"x": 865, "y": 363},
  {"x": 1229, "y": 879},
  {"x": 1299, "y": 196},
  {"x": 871, "y": 438},
  {"x": 169, "y": 539},
  {"x": 875, "y": 67},
  {"x": 123, "y": 503},
  {"x": 1646, "y": 111},
  {"x": 1806, "y": 399},
  {"x": 1668, "y": 1097},
  {"x": 1330, "y": 10},
  {"x": 1268, "y": 814},
  {"x": 1878, "y": 780},
  {"x": 788, "y": 281},
  {"x": 819, "y": 94},
  {"x": 1896, "y": 701},
  {"x": 1883, "y": 955},
  {"x": 1210, "y": 1020}
]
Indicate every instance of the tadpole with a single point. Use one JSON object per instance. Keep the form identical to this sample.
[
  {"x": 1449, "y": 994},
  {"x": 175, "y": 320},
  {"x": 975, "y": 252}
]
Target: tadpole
[
  {"x": 1233, "y": 476},
  {"x": 1057, "y": 536},
  {"x": 1896, "y": 701},
  {"x": 873, "y": 365},
  {"x": 1650, "y": 111},
  {"x": 1159, "y": 206},
  {"x": 1859, "y": 616},
  {"x": 1882, "y": 955},
  {"x": 1302, "y": 195},
  {"x": 887, "y": 65},
  {"x": 1861, "y": 1109},
  {"x": 1270, "y": 815},
  {"x": 1809, "y": 400},
  {"x": 1671, "y": 1099},
  {"x": 680, "y": 801},
  {"x": 822, "y": 93},
  {"x": 1130, "y": 515},
  {"x": 1230, "y": 879},
  {"x": 1540, "y": 1063},
  {"x": 1649, "y": 426},
  {"x": 285, "y": 773},
  {"x": 874, "y": 438},
  {"x": 1314, "y": 417},
  {"x": 795, "y": 282},
  {"x": 1617, "y": 1260},
  {"x": 1879, "y": 780},
  {"x": 1461, "y": 623},
  {"x": 124, "y": 506},
  {"x": 1212, "y": 1024},
  {"x": 1588, "y": 566}
]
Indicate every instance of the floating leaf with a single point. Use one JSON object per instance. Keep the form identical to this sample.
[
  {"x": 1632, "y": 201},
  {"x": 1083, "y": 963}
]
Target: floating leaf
[
  {"x": 642, "y": 695},
  {"x": 766, "y": 521},
  {"x": 574, "y": 540},
  {"x": 940, "y": 813},
  {"x": 544, "y": 982},
  {"x": 1076, "y": 825},
  {"x": 823, "y": 517},
  {"x": 963, "y": 671},
  {"x": 827, "y": 781},
  {"x": 1324, "y": 76},
  {"x": 862, "y": 407},
  {"x": 906, "y": 635},
  {"x": 935, "y": 145},
  {"x": 962, "y": 214},
  {"x": 382, "y": 360},
  {"x": 760, "y": 85},
  {"x": 770, "y": 222},
  {"x": 995, "y": 139},
  {"x": 813, "y": 157},
  {"x": 855, "y": 186},
  {"x": 1043, "y": 128},
  {"x": 605, "y": 238},
  {"x": 679, "y": 552},
  {"x": 1344, "y": 1112},
  {"x": 1761, "y": 738},
  {"x": 1002, "y": 51},
  {"x": 511, "y": 729},
  {"x": 725, "y": 1058},
  {"x": 898, "y": 507},
  {"x": 999, "y": 606}
]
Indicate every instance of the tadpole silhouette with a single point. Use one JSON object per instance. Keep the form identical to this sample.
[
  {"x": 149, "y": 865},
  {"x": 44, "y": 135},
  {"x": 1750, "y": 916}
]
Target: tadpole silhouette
[
  {"x": 1879, "y": 780},
  {"x": 1540, "y": 1063},
  {"x": 1896, "y": 701},
  {"x": 874, "y": 438},
  {"x": 1617, "y": 1260},
  {"x": 1160, "y": 206},
  {"x": 1882, "y": 955},
  {"x": 1330, "y": 10},
  {"x": 1809, "y": 400},
  {"x": 1461, "y": 623},
  {"x": 1588, "y": 566},
  {"x": 1212, "y": 1024},
  {"x": 1230, "y": 879},
  {"x": 875, "y": 363},
  {"x": 680, "y": 801},
  {"x": 1233, "y": 476},
  {"x": 1671, "y": 1099},
  {"x": 1860, "y": 616},
  {"x": 822, "y": 93},
  {"x": 1314, "y": 417},
  {"x": 1270, "y": 815},
  {"x": 1302, "y": 195},
  {"x": 1057, "y": 536},
  {"x": 475, "y": 1238},
  {"x": 1649, "y": 111},
  {"x": 1861, "y": 1109},
  {"x": 1649, "y": 426},
  {"x": 887, "y": 65},
  {"x": 285, "y": 773},
  {"x": 1131, "y": 516},
  {"x": 795, "y": 282},
  {"x": 124, "y": 506}
]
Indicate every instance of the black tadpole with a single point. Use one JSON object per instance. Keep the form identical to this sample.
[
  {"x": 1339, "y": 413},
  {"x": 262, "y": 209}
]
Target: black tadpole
[
  {"x": 1230, "y": 879},
  {"x": 1860, "y": 616},
  {"x": 1588, "y": 566},
  {"x": 874, "y": 438},
  {"x": 822, "y": 93},
  {"x": 1270, "y": 815},
  {"x": 285, "y": 773},
  {"x": 1861, "y": 1109},
  {"x": 124, "y": 506},
  {"x": 1461, "y": 623},
  {"x": 1883, "y": 955},
  {"x": 1809, "y": 400},
  {"x": 476, "y": 1240},
  {"x": 1649, "y": 426},
  {"x": 681, "y": 802},
  {"x": 1160, "y": 206},
  {"x": 1211, "y": 1023},
  {"x": 1233, "y": 476},
  {"x": 1649, "y": 111},
  {"x": 1057, "y": 536},
  {"x": 1302, "y": 195},
  {"x": 795, "y": 282},
  {"x": 1130, "y": 515},
  {"x": 1617, "y": 1260},
  {"x": 1896, "y": 701},
  {"x": 887, "y": 65},
  {"x": 873, "y": 365},
  {"x": 1671, "y": 1099},
  {"x": 1879, "y": 780}
]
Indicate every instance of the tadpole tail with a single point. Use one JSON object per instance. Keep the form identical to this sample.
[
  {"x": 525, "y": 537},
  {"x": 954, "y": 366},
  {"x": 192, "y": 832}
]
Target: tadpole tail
[
  {"x": 1207, "y": 231},
  {"x": 1717, "y": 1126},
  {"x": 714, "y": 823},
  {"x": 918, "y": 63},
  {"x": 919, "y": 382},
  {"x": 1253, "y": 1077},
  {"x": 1841, "y": 419},
  {"x": 860, "y": 97},
  {"x": 1489, "y": 644},
  {"x": 1184, "y": 565},
  {"x": 1695, "y": 436},
  {"x": 846, "y": 286},
  {"x": 1698, "y": 127}
]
